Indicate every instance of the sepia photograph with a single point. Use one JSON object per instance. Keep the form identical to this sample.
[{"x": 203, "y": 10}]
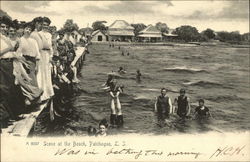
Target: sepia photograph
[{"x": 165, "y": 80}]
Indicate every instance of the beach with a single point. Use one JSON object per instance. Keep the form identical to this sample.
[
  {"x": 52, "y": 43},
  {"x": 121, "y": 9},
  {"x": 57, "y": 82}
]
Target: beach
[{"x": 218, "y": 75}]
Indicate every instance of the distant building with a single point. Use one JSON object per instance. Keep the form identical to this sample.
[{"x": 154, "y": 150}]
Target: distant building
[
  {"x": 150, "y": 34},
  {"x": 170, "y": 36},
  {"x": 99, "y": 36},
  {"x": 120, "y": 30},
  {"x": 86, "y": 32}
]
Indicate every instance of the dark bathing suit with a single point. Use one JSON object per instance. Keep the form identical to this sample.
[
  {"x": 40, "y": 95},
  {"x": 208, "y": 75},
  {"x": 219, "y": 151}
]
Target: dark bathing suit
[
  {"x": 202, "y": 113},
  {"x": 182, "y": 106},
  {"x": 163, "y": 107}
]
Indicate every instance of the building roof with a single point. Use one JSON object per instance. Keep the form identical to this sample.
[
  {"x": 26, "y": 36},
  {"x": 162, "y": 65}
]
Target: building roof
[
  {"x": 96, "y": 32},
  {"x": 150, "y": 31},
  {"x": 170, "y": 35},
  {"x": 120, "y": 24}
]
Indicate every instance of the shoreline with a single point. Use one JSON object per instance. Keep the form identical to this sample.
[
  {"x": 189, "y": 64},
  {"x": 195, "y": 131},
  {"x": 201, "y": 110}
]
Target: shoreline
[{"x": 175, "y": 44}]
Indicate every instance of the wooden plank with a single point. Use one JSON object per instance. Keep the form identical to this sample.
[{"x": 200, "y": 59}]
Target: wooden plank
[{"x": 22, "y": 127}]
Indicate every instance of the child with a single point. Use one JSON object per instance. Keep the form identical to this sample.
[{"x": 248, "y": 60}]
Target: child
[
  {"x": 202, "y": 111},
  {"x": 103, "y": 127}
]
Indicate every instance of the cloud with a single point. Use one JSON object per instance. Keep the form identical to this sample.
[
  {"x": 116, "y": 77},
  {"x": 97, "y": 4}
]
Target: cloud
[
  {"x": 28, "y": 7},
  {"x": 231, "y": 10},
  {"x": 121, "y": 8},
  {"x": 233, "y": 14},
  {"x": 235, "y": 10}
]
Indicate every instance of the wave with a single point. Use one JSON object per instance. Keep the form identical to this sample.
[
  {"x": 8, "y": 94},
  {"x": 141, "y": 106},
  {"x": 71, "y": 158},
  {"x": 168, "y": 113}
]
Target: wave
[
  {"x": 151, "y": 89},
  {"x": 184, "y": 69},
  {"x": 225, "y": 98},
  {"x": 203, "y": 84}
]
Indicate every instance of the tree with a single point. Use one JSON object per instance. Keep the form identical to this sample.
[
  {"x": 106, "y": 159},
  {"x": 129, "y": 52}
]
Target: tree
[
  {"x": 245, "y": 37},
  {"x": 162, "y": 27},
  {"x": 229, "y": 36},
  {"x": 70, "y": 26},
  {"x": 209, "y": 33},
  {"x": 99, "y": 25},
  {"x": 138, "y": 27},
  {"x": 187, "y": 33}
]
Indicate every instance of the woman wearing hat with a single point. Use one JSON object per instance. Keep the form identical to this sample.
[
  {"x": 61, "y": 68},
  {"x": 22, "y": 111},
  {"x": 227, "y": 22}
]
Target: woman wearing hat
[
  {"x": 30, "y": 51},
  {"x": 46, "y": 59},
  {"x": 9, "y": 101}
]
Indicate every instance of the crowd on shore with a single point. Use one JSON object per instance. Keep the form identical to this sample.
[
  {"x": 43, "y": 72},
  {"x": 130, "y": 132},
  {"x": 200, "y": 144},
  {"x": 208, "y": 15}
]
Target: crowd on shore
[{"x": 36, "y": 66}]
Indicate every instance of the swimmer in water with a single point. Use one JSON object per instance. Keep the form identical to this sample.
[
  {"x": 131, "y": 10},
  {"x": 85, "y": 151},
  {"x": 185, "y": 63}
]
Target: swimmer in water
[
  {"x": 138, "y": 76},
  {"x": 109, "y": 80},
  {"x": 183, "y": 104},
  {"x": 163, "y": 107},
  {"x": 202, "y": 112},
  {"x": 103, "y": 128},
  {"x": 121, "y": 70}
]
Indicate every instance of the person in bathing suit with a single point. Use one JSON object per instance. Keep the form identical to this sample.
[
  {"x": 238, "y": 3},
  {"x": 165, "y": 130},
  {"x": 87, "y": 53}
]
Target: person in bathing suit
[
  {"x": 114, "y": 92},
  {"x": 163, "y": 107},
  {"x": 183, "y": 104},
  {"x": 202, "y": 112}
]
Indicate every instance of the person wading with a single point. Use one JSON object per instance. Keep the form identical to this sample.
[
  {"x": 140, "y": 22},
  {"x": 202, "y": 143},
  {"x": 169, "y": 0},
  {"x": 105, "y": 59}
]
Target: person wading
[
  {"x": 115, "y": 118},
  {"x": 163, "y": 107},
  {"x": 183, "y": 104}
]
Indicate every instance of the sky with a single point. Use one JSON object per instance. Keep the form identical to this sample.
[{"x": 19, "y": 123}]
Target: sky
[{"x": 219, "y": 15}]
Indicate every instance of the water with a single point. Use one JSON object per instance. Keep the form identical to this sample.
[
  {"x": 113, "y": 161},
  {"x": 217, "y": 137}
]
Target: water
[{"x": 218, "y": 75}]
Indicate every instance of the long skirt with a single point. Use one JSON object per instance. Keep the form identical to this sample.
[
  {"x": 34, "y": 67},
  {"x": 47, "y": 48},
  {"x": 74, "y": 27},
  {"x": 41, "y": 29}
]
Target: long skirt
[
  {"x": 11, "y": 98},
  {"x": 27, "y": 79},
  {"x": 44, "y": 76}
]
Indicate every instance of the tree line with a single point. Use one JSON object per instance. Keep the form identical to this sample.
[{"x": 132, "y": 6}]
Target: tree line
[{"x": 186, "y": 33}]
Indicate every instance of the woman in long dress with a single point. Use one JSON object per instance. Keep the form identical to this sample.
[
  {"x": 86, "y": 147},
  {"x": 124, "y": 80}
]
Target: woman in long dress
[
  {"x": 46, "y": 59},
  {"x": 29, "y": 50},
  {"x": 9, "y": 100}
]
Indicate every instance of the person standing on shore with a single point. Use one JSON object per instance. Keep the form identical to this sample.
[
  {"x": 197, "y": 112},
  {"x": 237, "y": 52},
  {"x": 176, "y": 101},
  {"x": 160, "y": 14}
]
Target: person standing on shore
[
  {"x": 30, "y": 52},
  {"x": 183, "y": 105},
  {"x": 9, "y": 105},
  {"x": 46, "y": 58},
  {"x": 163, "y": 107}
]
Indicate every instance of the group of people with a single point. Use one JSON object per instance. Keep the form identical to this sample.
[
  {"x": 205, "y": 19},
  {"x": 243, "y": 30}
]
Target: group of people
[
  {"x": 35, "y": 66},
  {"x": 163, "y": 105},
  {"x": 181, "y": 106}
]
